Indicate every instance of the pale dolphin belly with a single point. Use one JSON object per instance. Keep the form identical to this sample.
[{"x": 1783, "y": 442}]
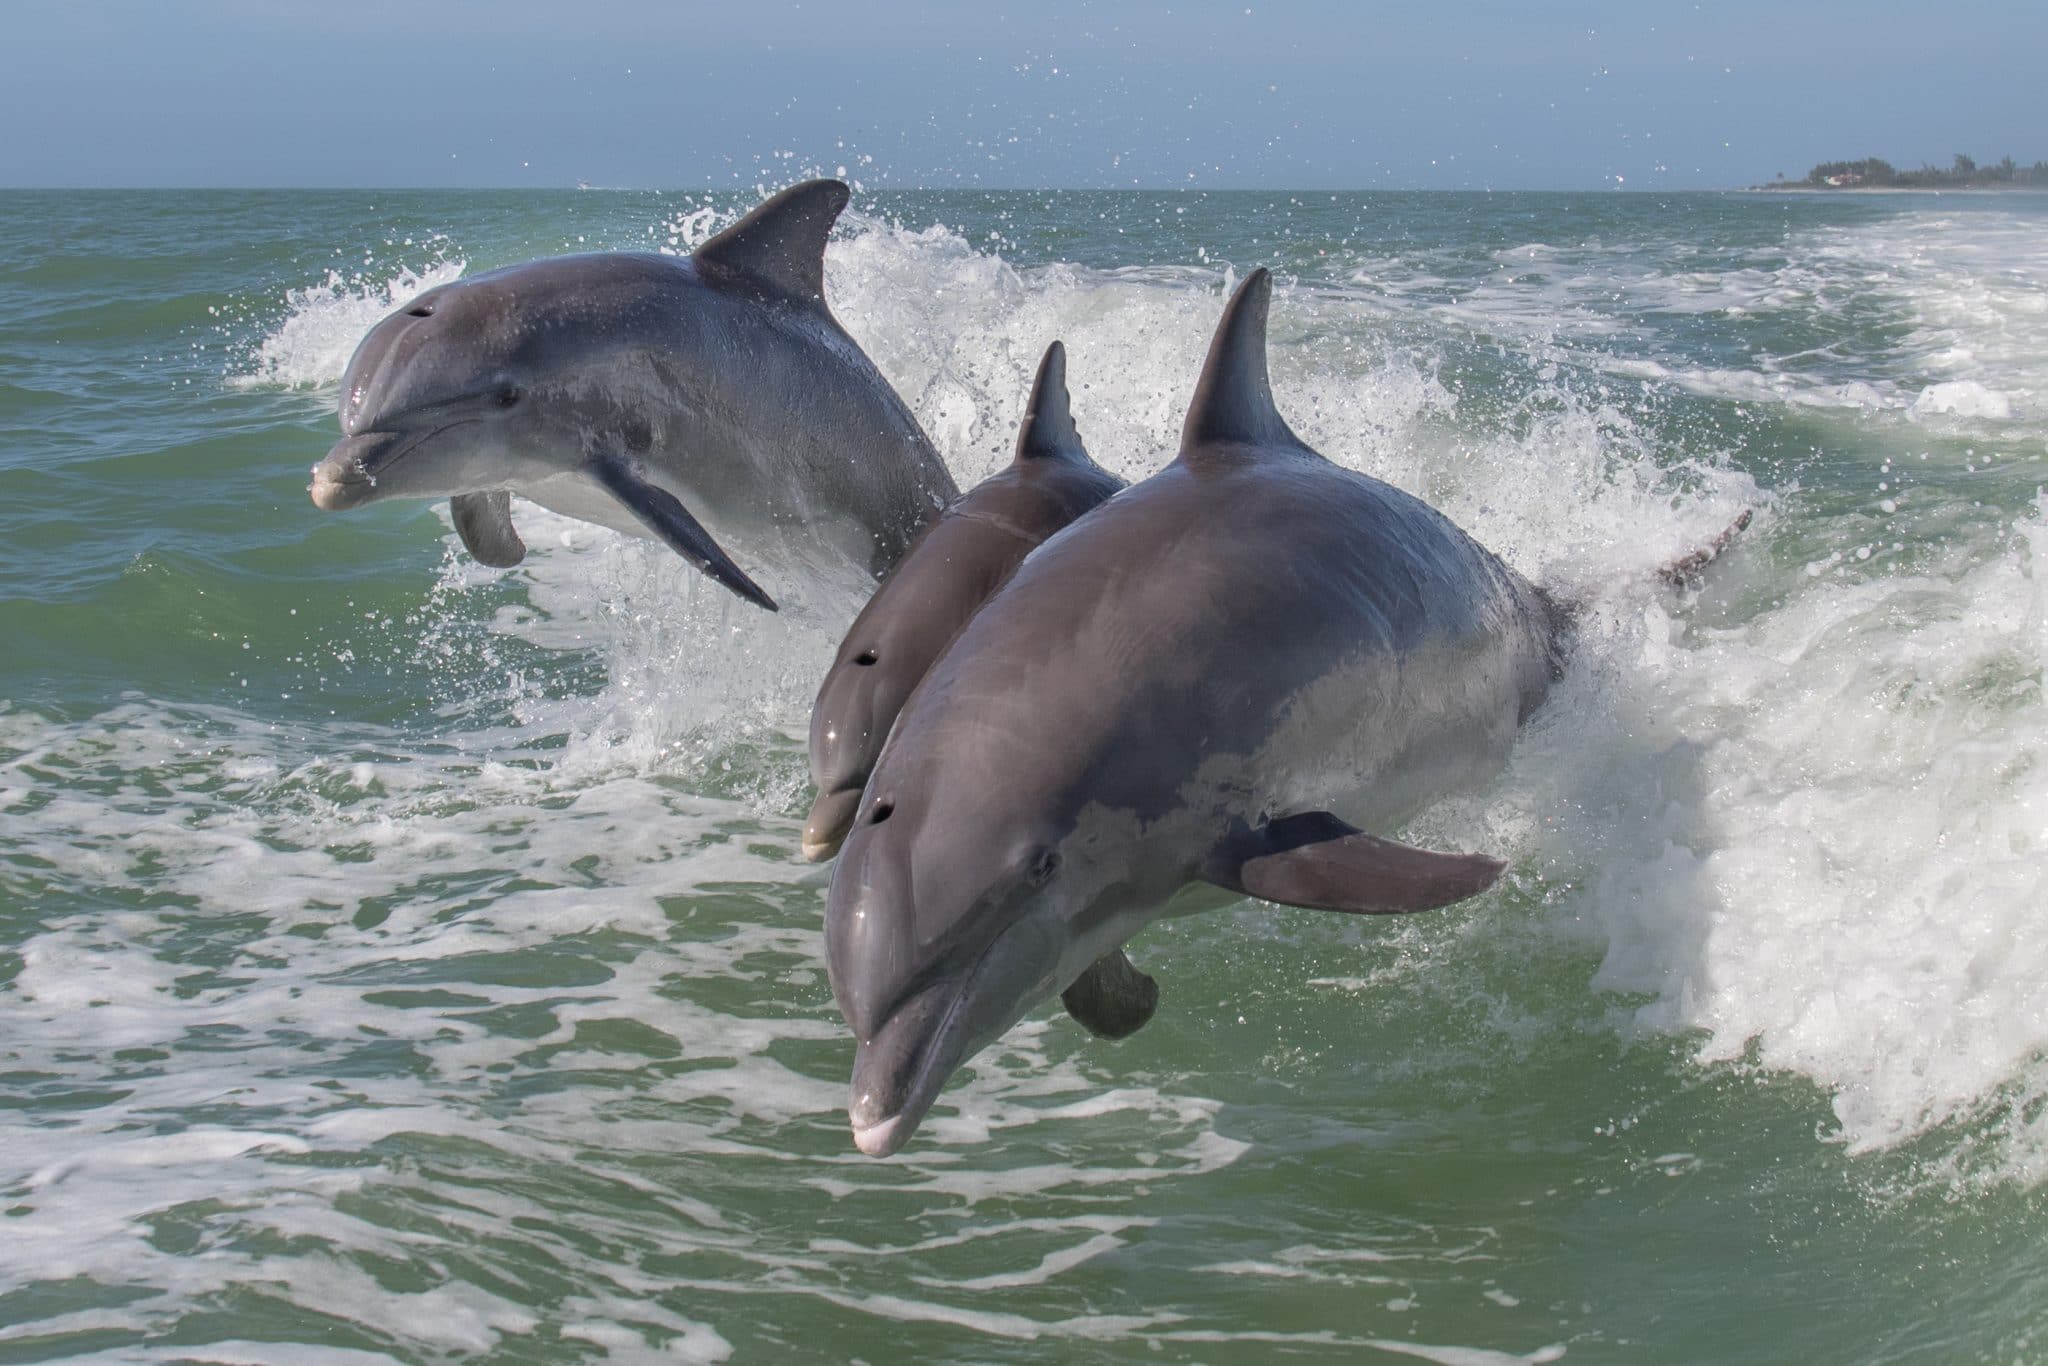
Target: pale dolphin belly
[
  {"x": 576, "y": 495},
  {"x": 1376, "y": 741}
]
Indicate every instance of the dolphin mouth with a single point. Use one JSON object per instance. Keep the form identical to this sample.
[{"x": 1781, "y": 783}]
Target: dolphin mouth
[
  {"x": 886, "y": 1138},
  {"x": 940, "y": 1048},
  {"x": 347, "y": 478},
  {"x": 883, "y": 1134},
  {"x": 832, "y": 816}
]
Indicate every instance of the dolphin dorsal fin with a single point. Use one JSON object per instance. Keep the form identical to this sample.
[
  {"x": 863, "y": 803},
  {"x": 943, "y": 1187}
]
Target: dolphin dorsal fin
[
  {"x": 1048, "y": 432},
  {"x": 781, "y": 244},
  {"x": 1233, "y": 404}
]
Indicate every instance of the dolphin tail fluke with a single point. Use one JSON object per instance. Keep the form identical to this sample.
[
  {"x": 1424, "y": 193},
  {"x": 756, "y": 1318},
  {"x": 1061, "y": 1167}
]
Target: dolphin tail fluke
[
  {"x": 1565, "y": 607},
  {"x": 668, "y": 519},
  {"x": 1048, "y": 432},
  {"x": 1233, "y": 405},
  {"x": 1685, "y": 573},
  {"x": 780, "y": 246},
  {"x": 1317, "y": 861},
  {"x": 1112, "y": 999},
  {"x": 484, "y": 522}
]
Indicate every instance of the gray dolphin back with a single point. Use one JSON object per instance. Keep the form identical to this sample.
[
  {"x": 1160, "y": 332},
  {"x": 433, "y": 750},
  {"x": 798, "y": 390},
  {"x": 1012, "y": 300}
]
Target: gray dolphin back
[{"x": 953, "y": 568}]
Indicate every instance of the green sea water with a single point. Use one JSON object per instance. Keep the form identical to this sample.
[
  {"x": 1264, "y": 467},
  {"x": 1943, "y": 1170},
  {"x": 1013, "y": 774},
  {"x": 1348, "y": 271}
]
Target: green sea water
[{"x": 407, "y": 961}]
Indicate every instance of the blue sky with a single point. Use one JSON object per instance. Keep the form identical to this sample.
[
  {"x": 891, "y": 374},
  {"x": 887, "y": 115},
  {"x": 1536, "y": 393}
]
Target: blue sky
[{"x": 1316, "y": 94}]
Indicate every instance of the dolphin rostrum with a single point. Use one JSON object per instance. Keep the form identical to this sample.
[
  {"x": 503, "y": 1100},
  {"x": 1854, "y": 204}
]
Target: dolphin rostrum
[
  {"x": 658, "y": 395},
  {"x": 1212, "y": 686},
  {"x": 952, "y": 569}
]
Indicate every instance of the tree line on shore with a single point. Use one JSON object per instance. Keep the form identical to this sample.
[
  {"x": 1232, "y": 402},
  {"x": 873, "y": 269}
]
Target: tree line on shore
[{"x": 1963, "y": 173}]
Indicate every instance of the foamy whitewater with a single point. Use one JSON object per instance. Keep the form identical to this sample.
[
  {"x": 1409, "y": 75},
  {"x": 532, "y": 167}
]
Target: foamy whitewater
[{"x": 404, "y": 960}]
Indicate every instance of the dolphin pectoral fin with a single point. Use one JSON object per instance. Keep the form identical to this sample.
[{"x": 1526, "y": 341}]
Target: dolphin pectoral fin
[
  {"x": 1317, "y": 861},
  {"x": 660, "y": 513},
  {"x": 484, "y": 522},
  {"x": 1112, "y": 999}
]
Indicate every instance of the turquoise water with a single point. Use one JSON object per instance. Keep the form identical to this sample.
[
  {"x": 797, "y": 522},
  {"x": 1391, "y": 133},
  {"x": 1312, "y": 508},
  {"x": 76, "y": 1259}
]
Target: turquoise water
[{"x": 401, "y": 960}]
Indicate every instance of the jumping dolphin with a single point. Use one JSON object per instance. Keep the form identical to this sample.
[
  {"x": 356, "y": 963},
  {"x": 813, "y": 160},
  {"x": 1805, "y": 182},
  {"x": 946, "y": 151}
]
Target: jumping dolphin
[
  {"x": 1210, "y": 687},
  {"x": 645, "y": 392},
  {"x": 956, "y": 564}
]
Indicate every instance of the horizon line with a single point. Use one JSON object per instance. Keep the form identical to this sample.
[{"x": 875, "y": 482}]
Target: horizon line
[{"x": 910, "y": 189}]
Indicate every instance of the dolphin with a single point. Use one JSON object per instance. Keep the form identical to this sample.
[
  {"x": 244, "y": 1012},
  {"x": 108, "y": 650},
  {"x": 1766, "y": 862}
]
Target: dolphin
[
  {"x": 955, "y": 565},
  {"x": 644, "y": 393},
  {"x": 1213, "y": 686}
]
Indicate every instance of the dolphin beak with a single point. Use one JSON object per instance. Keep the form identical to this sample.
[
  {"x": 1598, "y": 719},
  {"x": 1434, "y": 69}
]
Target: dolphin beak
[
  {"x": 898, "y": 1072},
  {"x": 831, "y": 817},
  {"x": 344, "y": 479},
  {"x": 335, "y": 488}
]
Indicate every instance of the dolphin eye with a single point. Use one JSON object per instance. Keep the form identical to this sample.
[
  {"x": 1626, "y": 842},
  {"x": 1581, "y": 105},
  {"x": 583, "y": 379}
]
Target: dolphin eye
[
  {"x": 881, "y": 812},
  {"x": 420, "y": 311},
  {"x": 1043, "y": 867},
  {"x": 864, "y": 658},
  {"x": 508, "y": 396}
]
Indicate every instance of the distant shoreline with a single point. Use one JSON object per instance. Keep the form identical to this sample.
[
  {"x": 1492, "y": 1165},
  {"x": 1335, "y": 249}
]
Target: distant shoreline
[
  {"x": 1801, "y": 187},
  {"x": 1875, "y": 174}
]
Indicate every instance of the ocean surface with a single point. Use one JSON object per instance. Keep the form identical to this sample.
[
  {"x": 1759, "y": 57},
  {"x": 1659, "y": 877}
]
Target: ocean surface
[{"x": 406, "y": 961}]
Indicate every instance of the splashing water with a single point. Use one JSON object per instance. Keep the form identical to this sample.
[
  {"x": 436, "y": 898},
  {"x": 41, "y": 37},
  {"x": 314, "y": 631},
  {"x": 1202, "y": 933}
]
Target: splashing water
[{"x": 413, "y": 960}]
